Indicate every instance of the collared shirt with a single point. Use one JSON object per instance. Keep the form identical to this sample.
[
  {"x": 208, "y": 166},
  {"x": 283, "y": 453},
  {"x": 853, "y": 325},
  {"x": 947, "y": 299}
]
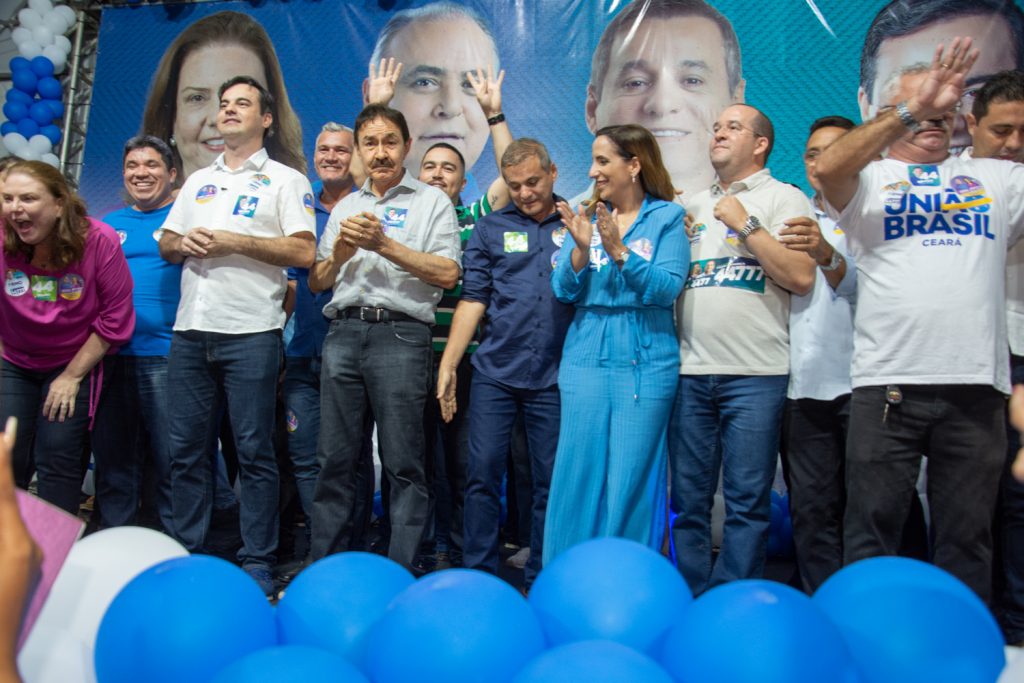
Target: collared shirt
[
  {"x": 468, "y": 216},
  {"x": 733, "y": 318},
  {"x": 236, "y": 294},
  {"x": 508, "y": 263},
  {"x": 821, "y": 329},
  {"x": 412, "y": 213}
]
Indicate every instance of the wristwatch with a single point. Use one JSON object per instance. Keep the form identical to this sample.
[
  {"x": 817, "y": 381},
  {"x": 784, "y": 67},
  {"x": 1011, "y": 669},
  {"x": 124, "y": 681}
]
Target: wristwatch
[
  {"x": 752, "y": 225},
  {"x": 837, "y": 258},
  {"x": 621, "y": 259},
  {"x": 906, "y": 118}
]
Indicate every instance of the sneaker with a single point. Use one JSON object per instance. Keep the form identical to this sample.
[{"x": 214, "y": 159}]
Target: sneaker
[
  {"x": 263, "y": 578},
  {"x": 443, "y": 562},
  {"x": 519, "y": 559}
]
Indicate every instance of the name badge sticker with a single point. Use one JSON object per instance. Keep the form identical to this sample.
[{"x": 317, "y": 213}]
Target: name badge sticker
[
  {"x": 516, "y": 243},
  {"x": 394, "y": 218},
  {"x": 15, "y": 283},
  {"x": 44, "y": 288},
  {"x": 245, "y": 206}
]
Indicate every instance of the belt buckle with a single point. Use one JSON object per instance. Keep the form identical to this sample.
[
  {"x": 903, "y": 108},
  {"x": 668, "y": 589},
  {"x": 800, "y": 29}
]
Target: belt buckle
[{"x": 377, "y": 317}]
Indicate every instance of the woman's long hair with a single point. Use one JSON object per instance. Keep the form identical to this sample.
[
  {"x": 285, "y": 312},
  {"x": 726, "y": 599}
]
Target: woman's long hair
[{"x": 72, "y": 224}]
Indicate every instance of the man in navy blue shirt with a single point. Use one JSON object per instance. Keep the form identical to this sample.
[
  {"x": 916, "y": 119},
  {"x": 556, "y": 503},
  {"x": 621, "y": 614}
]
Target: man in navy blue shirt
[{"x": 506, "y": 286}]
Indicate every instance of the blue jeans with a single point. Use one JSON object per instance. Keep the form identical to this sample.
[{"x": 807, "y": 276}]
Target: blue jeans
[
  {"x": 493, "y": 409},
  {"x": 131, "y": 428},
  {"x": 730, "y": 422},
  {"x": 55, "y": 450},
  {"x": 383, "y": 367},
  {"x": 302, "y": 406},
  {"x": 242, "y": 369}
]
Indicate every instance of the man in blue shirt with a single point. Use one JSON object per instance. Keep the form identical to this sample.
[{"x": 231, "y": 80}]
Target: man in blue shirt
[{"x": 506, "y": 287}]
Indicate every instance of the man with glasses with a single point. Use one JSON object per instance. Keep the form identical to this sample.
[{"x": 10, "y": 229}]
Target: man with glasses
[{"x": 734, "y": 349}]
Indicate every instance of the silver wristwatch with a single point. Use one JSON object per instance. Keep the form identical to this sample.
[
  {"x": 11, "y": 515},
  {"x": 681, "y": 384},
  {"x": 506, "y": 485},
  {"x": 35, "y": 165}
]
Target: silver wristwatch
[
  {"x": 749, "y": 227},
  {"x": 906, "y": 118},
  {"x": 837, "y": 258}
]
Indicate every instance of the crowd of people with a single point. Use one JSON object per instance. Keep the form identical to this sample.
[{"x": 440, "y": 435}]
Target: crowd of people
[{"x": 634, "y": 353}]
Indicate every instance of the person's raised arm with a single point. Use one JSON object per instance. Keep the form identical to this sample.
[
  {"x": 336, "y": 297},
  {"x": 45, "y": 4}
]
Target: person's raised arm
[
  {"x": 380, "y": 85},
  {"x": 488, "y": 94}
]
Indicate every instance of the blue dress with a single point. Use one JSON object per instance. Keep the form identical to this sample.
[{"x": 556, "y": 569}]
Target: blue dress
[{"x": 618, "y": 377}]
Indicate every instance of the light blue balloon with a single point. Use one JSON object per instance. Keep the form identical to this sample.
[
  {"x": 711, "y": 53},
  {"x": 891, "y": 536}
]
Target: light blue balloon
[
  {"x": 756, "y": 631},
  {"x": 185, "y": 619},
  {"x": 592, "y": 661},
  {"x": 42, "y": 66},
  {"x": 334, "y": 602},
  {"x": 611, "y": 589},
  {"x": 290, "y": 663},
  {"x": 456, "y": 626}
]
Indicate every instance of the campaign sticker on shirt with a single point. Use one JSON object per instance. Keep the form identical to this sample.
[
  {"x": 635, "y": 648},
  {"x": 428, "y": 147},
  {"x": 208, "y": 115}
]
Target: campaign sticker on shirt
[
  {"x": 732, "y": 237},
  {"x": 44, "y": 288},
  {"x": 558, "y": 236},
  {"x": 894, "y": 193},
  {"x": 206, "y": 193},
  {"x": 15, "y": 282},
  {"x": 258, "y": 182},
  {"x": 595, "y": 237},
  {"x": 122, "y": 235},
  {"x": 924, "y": 174},
  {"x": 394, "y": 218},
  {"x": 695, "y": 232},
  {"x": 516, "y": 243},
  {"x": 245, "y": 206},
  {"x": 971, "y": 195},
  {"x": 734, "y": 272},
  {"x": 292, "y": 421},
  {"x": 554, "y": 259},
  {"x": 307, "y": 201},
  {"x": 642, "y": 247},
  {"x": 598, "y": 258},
  {"x": 71, "y": 286}
]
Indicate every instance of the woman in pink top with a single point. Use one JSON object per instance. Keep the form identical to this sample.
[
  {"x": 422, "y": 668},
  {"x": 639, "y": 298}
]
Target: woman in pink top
[{"x": 67, "y": 301}]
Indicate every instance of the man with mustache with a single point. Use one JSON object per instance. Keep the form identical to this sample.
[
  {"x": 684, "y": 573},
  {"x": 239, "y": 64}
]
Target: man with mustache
[
  {"x": 929, "y": 234},
  {"x": 388, "y": 251}
]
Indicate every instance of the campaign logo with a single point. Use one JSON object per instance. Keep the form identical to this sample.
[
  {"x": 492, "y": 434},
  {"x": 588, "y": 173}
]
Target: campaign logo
[
  {"x": 123, "y": 236},
  {"x": 894, "y": 193},
  {"x": 554, "y": 259},
  {"x": 71, "y": 286},
  {"x": 245, "y": 206},
  {"x": 206, "y": 193},
  {"x": 972, "y": 195},
  {"x": 15, "y": 283},
  {"x": 695, "y": 232},
  {"x": 642, "y": 247},
  {"x": 598, "y": 258},
  {"x": 924, "y": 174},
  {"x": 941, "y": 216},
  {"x": 732, "y": 237},
  {"x": 44, "y": 288},
  {"x": 516, "y": 243},
  {"x": 394, "y": 218},
  {"x": 258, "y": 182},
  {"x": 307, "y": 202},
  {"x": 558, "y": 236},
  {"x": 735, "y": 272}
]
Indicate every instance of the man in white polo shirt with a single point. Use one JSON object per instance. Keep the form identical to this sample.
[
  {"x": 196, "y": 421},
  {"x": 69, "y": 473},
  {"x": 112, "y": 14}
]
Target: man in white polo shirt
[{"x": 236, "y": 225}]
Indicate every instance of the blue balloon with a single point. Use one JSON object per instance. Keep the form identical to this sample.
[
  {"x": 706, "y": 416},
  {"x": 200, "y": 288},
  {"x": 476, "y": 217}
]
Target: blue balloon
[
  {"x": 20, "y": 64},
  {"x": 56, "y": 106},
  {"x": 183, "y": 620},
  {"x": 610, "y": 589},
  {"x": 335, "y": 601},
  {"x": 878, "y": 572},
  {"x": 15, "y": 95},
  {"x": 41, "y": 113},
  {"x": 756, "y": 630},
  {"x": 592, "y": 661},
  {"x": 42, "y": 66},
  {"x": 8, "y": 127},
  {"x": 455, "y": 625},
  {"x": 52, "y": 132},
  {"x": 28, "y": 127},
  {"x": 15, "y": 111},
  {"x": 25, "y": 81},
  {"x": 50, "y": 88},
  {"x": 291, "y": 663}
]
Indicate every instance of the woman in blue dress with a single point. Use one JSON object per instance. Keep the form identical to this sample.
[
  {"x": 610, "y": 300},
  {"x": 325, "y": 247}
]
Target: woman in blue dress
[{"x": 622, "y": 267}]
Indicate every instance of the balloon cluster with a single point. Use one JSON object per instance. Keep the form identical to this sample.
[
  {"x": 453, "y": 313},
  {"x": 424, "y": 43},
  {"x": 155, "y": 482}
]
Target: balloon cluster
[{"x": 34, "y": 105}]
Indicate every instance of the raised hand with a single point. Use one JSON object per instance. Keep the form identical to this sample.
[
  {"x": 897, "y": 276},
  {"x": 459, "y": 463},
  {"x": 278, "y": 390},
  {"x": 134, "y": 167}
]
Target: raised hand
[
  {"x": 487, "y": 90},
  {"x": 579, "y": 226},
  {"x": 944, "y": 86},
  {"x": 608, "y": 229},
  {"x": 382, "y": 83}
]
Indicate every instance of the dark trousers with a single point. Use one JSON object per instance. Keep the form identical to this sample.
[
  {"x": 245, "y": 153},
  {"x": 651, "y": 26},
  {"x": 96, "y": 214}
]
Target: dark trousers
[
  {"x": 492, "y": 416},
  {"x": 384, "y": 367},
  {"x": 960, "y": 428},
  {"x": 1009, "y": 601},
  {"x": 813, "y": 460}
]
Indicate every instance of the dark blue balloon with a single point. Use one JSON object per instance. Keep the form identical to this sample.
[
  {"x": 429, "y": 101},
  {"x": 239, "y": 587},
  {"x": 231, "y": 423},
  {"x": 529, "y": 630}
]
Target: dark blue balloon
[
  {"x": 592, "y": 661},
  {"x": 52, "y": 132},
  {"x": 457, "y": 626},
  {"x": 290, "y": 663},
  {"x": 42, "y": 66},
  {"x": 15, "y": 111},
  {"x": 609, "y": 589},
  {"x": 50, "y": 88},
  {"x": 20, "y": 64},
  {"x": 15, "y": 95},
  {"x": 185, "y": 619},
  {"x": 28, "y": 127},
  {"x": 8, "y": 127},
  {"x": 334, "y": 602},
  {"x": 56, "y": 106},
  {"x": 756, "y": 630},
  {"x": 41, "y": 113},
  {"x": 25, "y": 81}
]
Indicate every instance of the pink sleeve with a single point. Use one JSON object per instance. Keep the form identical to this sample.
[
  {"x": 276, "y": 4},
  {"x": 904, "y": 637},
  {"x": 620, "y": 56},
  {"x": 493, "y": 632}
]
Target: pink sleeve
[{"x": 115, "y": 321}]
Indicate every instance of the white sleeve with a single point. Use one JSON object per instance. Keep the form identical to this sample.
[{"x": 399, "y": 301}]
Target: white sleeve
[
  {"x": 295, "y": 212},
  {"x": 331, "y": 230}
]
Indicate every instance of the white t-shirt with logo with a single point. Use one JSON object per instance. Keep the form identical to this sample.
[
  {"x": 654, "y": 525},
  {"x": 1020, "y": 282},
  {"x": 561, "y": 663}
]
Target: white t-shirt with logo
[
  {"x": 733, "y": 319},
  {"x": 930, "y": 244}
]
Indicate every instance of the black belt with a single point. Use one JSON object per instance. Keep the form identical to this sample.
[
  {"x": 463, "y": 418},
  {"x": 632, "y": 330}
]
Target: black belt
[{"x": 370, "y": 314}]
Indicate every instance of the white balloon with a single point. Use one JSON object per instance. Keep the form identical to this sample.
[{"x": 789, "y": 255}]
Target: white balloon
[
  {"x": 15, "y": 143},
  {"x": 20, "y": 35},
  {"x": 42, "y": 35},
  {"x": 63, "y": 44},
  {"x": 51, "y": 159},
  {"x": 40, "y": 143},
  {"x": 55, "y": 55},
  {"x": 96, "y": 570},
  {"x": 30, "y": 49},
  {"x": 29, "y": 154},
  {"x": 1014, "y": 671},
  {"x": 55, "y": 22},
  {"x": 55, "y": 656},
  {"x": 29, "y": 18},
  {"x": 70, "y": 16},
  {"x": 41, "y": 6}
]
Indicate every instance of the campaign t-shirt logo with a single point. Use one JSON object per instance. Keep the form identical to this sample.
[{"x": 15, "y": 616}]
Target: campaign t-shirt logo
[
  {"x": 734, "y": 272},
  {"x": 642, "y": 247},
  {"x": 893, "y": 194},
  {"x": 44, "y": 288},
  {"x": 206, "y": 193},
  {"x": 394, "y": 218},
  {"x": 558, "y": 236},
  {"x": 15, "y": 282},
  {"x": 972, "y": 195},
  {"x": 923, "y": 174},
  {"x": 307, "y": 202},
  {"x": 695, "y": 232},
  {"x": 258, "y": 182},
  {"x": 245, "y": 206},
  {"x": 598, "y": 258},
  {"x": 516, "y": 243},
  {"x": 123, "y": 236},
  {"x": 71, "y": 286}
]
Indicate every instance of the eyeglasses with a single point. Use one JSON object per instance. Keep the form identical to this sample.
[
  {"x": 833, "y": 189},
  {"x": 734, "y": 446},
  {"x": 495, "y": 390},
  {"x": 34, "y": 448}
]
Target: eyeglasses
[{"x": 735, "y": 128}]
